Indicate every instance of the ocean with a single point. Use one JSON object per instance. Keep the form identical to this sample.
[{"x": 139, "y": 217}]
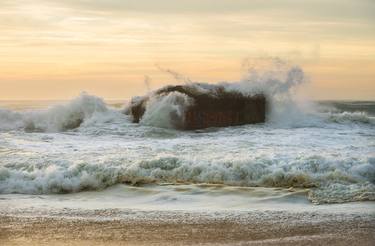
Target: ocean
[
  {"x": 88, "y": 153},
  {"x": 318, "y": 157}
]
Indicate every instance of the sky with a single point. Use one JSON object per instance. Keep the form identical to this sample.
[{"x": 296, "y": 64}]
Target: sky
[{"x": 54, "y": 49}]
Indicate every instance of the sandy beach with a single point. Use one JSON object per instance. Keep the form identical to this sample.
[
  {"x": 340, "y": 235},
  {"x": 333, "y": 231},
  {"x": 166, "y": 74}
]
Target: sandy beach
[{"x": 132, "y": 227}]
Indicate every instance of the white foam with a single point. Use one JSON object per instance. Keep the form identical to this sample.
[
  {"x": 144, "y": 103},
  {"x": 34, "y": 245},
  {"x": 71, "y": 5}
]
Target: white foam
[
  {"x": 278, "y": 80},
  {"x": 56, "y": 118},
  {"x": 350, "y": 117},
  {"x": 330, "y": 180},
  {"x": 166, "y": 110},
  {"x": 330, "y": 153}
]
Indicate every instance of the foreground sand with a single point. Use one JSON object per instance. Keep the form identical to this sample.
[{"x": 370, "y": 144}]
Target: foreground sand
[{"x": 111, "y": 227}]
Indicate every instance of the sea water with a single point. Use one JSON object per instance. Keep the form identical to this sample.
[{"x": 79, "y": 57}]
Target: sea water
[{"x": 88, "y": 152}]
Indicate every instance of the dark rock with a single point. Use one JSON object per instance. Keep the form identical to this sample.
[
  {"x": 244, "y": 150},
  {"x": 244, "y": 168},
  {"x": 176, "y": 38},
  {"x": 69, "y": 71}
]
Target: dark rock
[{"x": 213, "y": 106}]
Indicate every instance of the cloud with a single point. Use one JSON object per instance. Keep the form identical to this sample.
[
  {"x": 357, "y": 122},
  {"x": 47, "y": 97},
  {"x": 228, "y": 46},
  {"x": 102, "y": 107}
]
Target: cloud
[{"x": 333, "y": 9}]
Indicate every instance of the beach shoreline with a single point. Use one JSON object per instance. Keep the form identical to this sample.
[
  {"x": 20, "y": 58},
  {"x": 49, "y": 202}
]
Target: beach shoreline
[{"x": 135, "y": 227}]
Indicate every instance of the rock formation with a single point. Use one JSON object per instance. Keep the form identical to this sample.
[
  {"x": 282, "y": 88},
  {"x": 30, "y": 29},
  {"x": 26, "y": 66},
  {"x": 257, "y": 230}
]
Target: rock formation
[{"x": 213, "y": 106}]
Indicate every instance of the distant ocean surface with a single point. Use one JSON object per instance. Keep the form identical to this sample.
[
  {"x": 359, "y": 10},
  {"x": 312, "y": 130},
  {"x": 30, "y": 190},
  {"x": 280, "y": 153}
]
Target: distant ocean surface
[{"x": 327, "y": 152}]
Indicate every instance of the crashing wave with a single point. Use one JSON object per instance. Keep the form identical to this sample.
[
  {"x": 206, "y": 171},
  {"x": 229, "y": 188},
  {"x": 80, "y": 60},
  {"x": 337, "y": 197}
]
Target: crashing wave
[
  {"x": 279, "y": 82},
  {"x": 329, "y": 180},
  {"x": 56, "y": 118},
  {"x": 223, "y": 104},
  {"x": 350, "y": 117},
  {"x": 197, "y": 106},
  {"x": 166, "y": 110}
]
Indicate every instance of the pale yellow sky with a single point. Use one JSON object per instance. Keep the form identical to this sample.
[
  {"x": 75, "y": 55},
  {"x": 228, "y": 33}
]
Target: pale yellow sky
[{"x": 54, "y": 49}]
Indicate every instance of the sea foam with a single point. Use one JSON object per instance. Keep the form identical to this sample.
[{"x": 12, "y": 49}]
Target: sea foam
[
  {"x": 56, "y": 118},
  {"x": 329, "y": 180},
  {"x": 86, "y": 145}
]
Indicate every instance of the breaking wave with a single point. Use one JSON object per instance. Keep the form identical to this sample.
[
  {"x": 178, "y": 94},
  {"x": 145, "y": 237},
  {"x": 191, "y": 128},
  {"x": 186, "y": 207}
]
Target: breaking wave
[
  {"x": 327, "y": 149},
  {"x": 279, "y": 82},
  {"x": 166, "y": 110},
  {"x": 329, "y": 180},
  {"x": 56, "y": 118},
  {"x": 163, "y": 111},
  {"x": 351, "y": 117}
]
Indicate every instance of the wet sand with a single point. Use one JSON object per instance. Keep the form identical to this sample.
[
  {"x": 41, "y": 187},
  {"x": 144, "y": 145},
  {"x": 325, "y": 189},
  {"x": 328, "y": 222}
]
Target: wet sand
[{"x": 113, "y": 227}]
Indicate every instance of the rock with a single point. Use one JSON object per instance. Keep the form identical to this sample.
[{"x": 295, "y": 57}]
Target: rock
[{"x": 213, "y": 106}]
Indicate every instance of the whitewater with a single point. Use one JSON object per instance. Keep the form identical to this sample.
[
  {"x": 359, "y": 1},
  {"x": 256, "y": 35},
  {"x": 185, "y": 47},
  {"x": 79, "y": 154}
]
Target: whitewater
[{"x": 325, "y": 149}]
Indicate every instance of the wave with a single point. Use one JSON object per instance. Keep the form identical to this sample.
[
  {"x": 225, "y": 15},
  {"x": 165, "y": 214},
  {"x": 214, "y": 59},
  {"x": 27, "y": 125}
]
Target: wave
[
  {"x": 166, "y": 110},
  {"x": 350, "y": 117},
  {"x": 329, "y": 180},
  {"x": 56, "y": 118},
  {"x": 279, "y": 82},
  {"x": 163, "y": 111}
]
